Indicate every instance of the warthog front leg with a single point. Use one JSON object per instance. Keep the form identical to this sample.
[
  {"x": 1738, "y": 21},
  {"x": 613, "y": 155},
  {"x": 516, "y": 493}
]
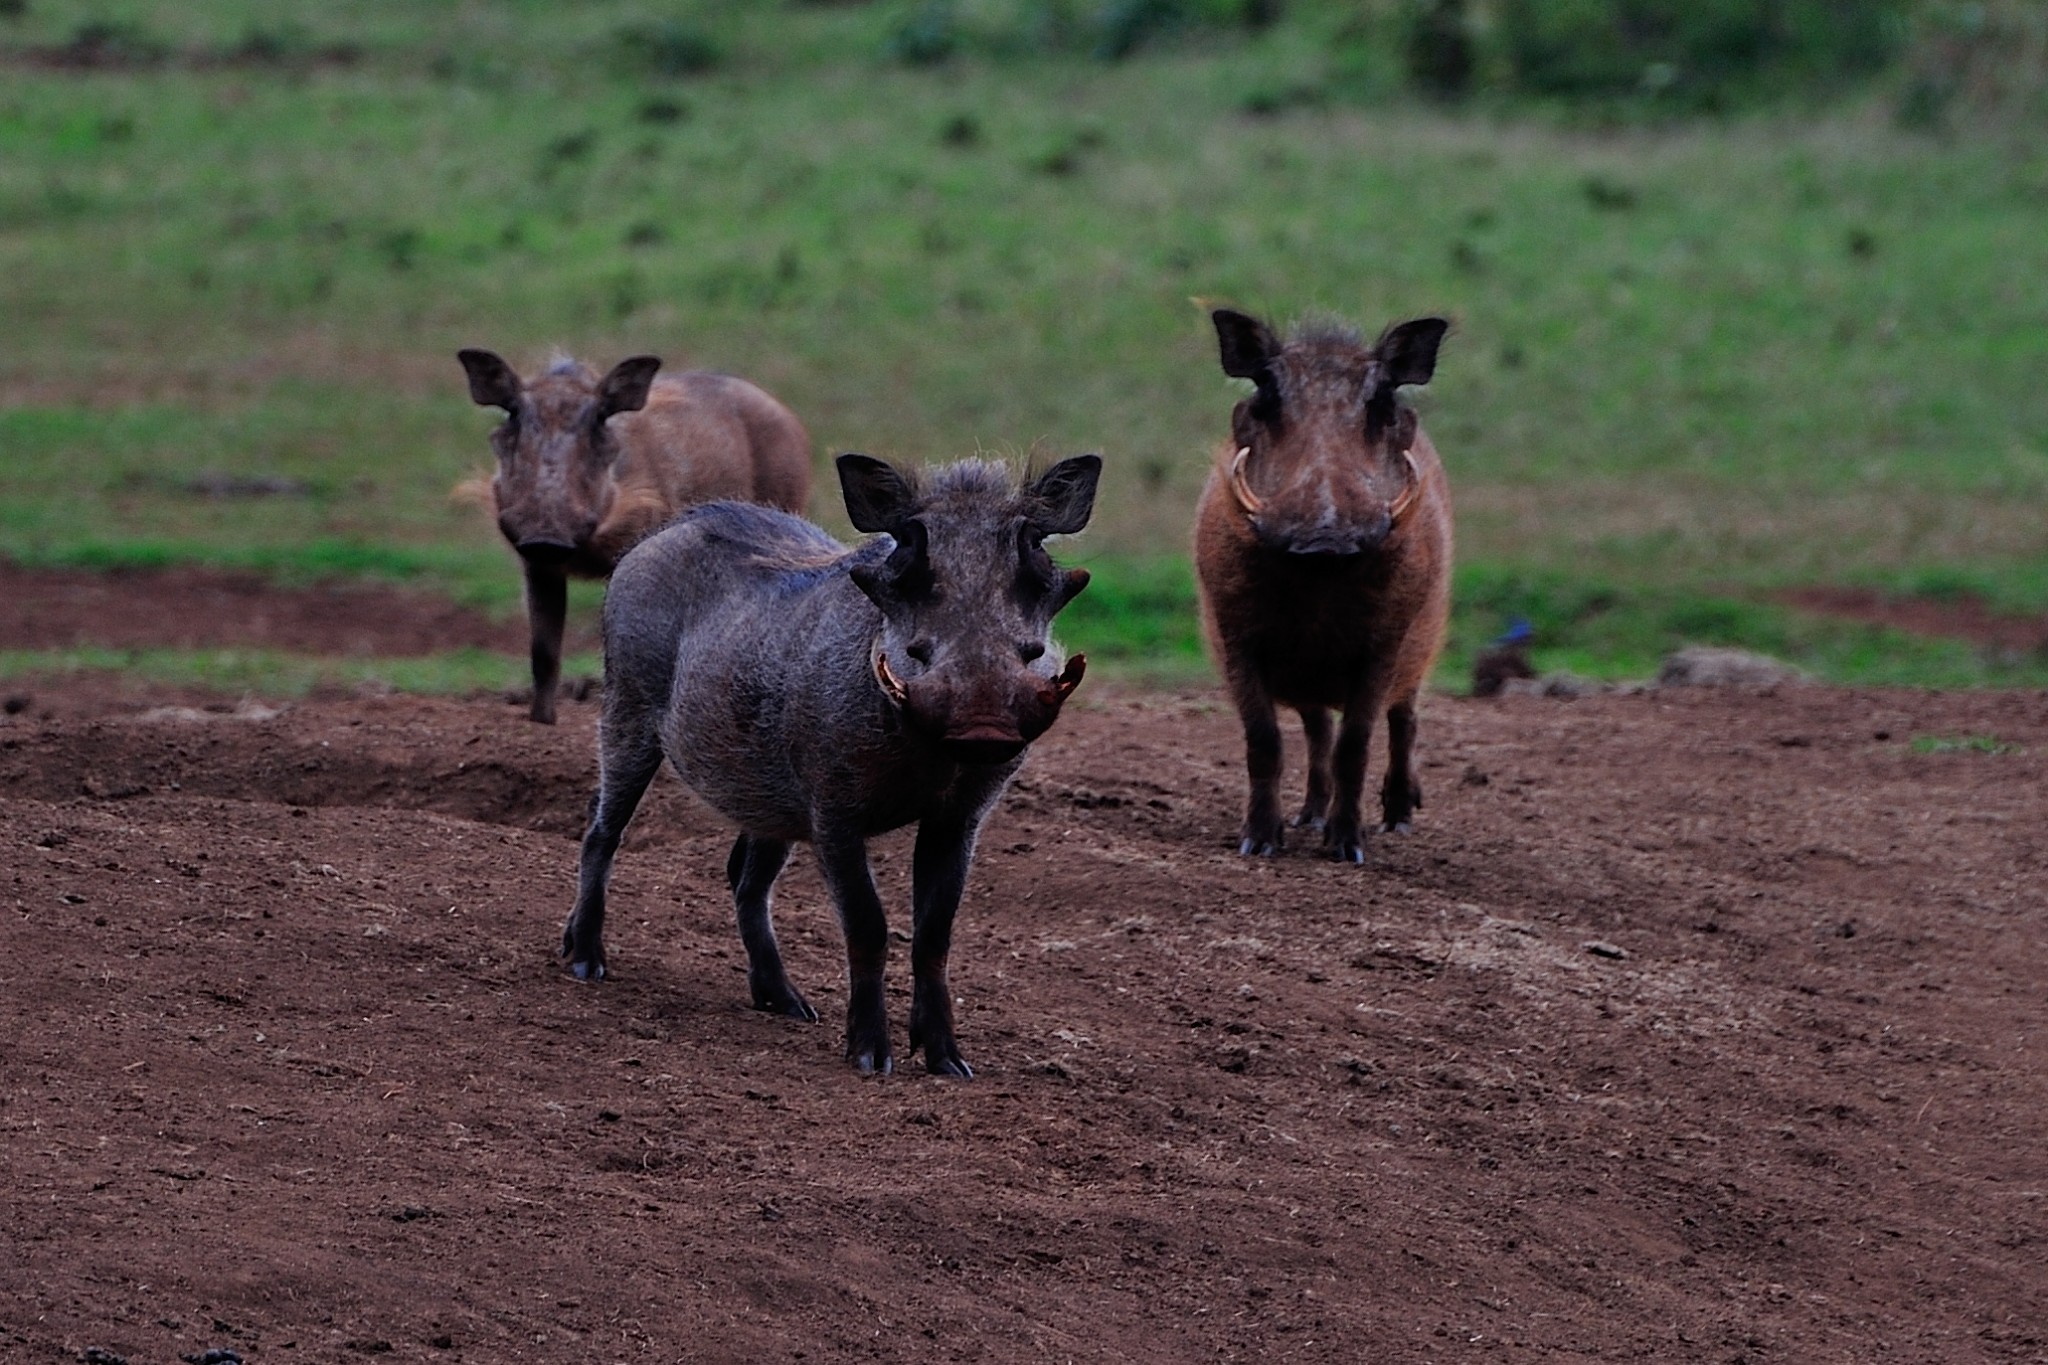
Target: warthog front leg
[
  {"x": 1263, "y": 761},
  {"x": 843, "y": 861},
  {"x": 751, "y": 872},
  {"x": 547, "y": 610},
  {"x": 938, "y": 877},
  {"x": 626, "y": 764},
  {"x": 1344, "y": 835},
  {"x": 1401, "y": 793},
  {"x": 1315, "y": 728}
]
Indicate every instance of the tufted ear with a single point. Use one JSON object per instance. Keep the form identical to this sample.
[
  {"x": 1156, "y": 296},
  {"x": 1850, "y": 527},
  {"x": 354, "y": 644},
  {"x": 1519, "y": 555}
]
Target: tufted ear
[
  {"x": 625, "y": 388},
  {"x": 1247, "y": 345},
  {"x": 1407, "y": 350},
  {"x": 878, "y": 497},
  {"x": 1063, "y": 498},
  {"x": 492, "y": 383}
]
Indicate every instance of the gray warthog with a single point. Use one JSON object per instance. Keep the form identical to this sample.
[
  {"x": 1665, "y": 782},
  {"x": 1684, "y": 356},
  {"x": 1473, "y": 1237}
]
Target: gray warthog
[
  {"x": 589, "y": 465},
  {"x": 809, "y": 691},
  {"x": 1323, "y": 546}
]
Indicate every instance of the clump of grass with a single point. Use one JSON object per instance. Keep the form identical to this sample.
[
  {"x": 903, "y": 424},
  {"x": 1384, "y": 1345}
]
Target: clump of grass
[
  {"x": 668, "y": 48},
  {"x": 1961, "y": 744}
]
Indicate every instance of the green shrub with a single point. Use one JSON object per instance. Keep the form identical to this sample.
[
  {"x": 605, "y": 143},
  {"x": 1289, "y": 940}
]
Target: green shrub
[
  {"x": 668, "y": 48},
  {"x": 1702, "y": 54}
]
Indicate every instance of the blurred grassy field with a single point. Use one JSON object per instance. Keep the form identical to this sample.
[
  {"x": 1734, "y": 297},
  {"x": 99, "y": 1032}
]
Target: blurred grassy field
[{"x": 1693, "y": 364}]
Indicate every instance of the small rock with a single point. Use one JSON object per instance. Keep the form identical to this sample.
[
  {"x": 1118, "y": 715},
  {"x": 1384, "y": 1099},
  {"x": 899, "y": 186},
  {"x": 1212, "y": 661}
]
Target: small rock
[
  {"x": 1601, "y": 948},
  {"x": 1704, "y": 666},
  {"x": 1565, "y": 685},
  {"x": 100, "y": 1355},
  {"x": 17, "y": 703}
]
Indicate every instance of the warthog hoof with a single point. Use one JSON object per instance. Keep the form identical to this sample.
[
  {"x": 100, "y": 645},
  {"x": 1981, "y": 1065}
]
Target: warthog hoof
[
  {"x": 586, "y": 960},
  {"x": 784, "y": 999},
  {"x": 871, "y": 1061},
  {"x": 1346, "y": 846},
  {"x": 942, "y": 1054},
  {"x": 1398, "y": 827}
]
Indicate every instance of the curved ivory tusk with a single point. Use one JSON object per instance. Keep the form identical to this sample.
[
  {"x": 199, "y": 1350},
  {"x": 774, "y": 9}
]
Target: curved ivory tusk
[
  {"x": 1058, "y": 689},
  {"x": 1406, "y": 502},
  {"x": 891, "y": 685},
  {"x": 1070, "y": 676},
  {"x": 1250, "y": 501}
]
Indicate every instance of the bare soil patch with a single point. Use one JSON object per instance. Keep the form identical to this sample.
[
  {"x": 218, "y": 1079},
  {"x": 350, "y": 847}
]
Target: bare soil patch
[
  {"x": 1954, "y": 618},
  {"x": 199, "y": 608},
  {"x": 1689, "y": 1026}
]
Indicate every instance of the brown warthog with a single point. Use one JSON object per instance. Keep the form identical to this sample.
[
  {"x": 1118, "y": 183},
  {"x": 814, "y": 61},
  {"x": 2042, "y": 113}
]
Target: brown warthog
[
  {"x": 1323, "y": 546},
  {"x": 589, "y": 465},
  {"x": 811, "y": 692}
]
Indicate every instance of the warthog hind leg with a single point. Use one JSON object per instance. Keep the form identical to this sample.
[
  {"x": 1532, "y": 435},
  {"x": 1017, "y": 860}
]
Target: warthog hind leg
[
  {"x": 843, "y": 860},
  {"x": 1315, "y": 728},
  {"x": 1344, "y": 835},
  {"x": 751, "y": 872}
]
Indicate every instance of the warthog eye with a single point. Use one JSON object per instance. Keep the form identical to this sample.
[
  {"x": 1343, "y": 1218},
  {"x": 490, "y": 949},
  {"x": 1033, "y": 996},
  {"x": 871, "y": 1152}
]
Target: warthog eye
[
  {"x": 920, "y": 650},
  {"x": 1030, "y": 650}
]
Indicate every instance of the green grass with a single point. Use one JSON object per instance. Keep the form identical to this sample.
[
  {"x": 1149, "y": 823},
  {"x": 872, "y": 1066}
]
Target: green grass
[{"x": 1692, "y": 364}]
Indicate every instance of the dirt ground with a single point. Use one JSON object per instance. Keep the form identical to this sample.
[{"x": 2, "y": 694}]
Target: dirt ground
[{"x": 1688, "y": 1026}]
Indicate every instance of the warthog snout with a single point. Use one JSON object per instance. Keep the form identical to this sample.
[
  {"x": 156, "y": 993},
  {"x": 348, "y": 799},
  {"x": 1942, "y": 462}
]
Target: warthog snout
[
  {"x": 545, "y": 549},
  {"x": 1327, "y": 542},
  {"x": 980, "y": 710}
]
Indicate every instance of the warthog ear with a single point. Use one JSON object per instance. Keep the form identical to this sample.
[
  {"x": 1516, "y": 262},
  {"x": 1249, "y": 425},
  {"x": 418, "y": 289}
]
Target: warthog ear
[
  {"x": 1247, "y": 346},
  {"x": 625, "y": 388},
  {"x": 1407, "y": 350},
  {"x": 878, "y": 497},
  {"x": 1063, "y": 498},
  {"x": 492, "y": 383},
  {"x": 906, "y": 574}
]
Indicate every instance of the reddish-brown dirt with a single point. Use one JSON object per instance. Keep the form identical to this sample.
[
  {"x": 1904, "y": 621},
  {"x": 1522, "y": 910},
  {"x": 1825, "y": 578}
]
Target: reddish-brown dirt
[
  {"x": 1956, "y": 618},
  {"x": 199, "y": 608},
  {"x": 1688, "y": 1026}
]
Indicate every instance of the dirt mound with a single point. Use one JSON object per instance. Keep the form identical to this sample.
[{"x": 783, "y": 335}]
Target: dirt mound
[{"x": 1686, "y": 1027}]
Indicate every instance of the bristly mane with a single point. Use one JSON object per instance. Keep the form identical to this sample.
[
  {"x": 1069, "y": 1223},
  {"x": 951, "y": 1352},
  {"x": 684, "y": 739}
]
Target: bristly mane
[
  {"x": 1320, "y": 332},
  {"x": 560, "y": 362}
]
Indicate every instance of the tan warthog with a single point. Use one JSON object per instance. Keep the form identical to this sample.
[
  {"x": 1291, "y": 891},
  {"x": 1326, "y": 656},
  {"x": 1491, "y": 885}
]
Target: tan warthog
[
  {"x": 587, "y": 466},
  {"x": 1323, "y": 546}
]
